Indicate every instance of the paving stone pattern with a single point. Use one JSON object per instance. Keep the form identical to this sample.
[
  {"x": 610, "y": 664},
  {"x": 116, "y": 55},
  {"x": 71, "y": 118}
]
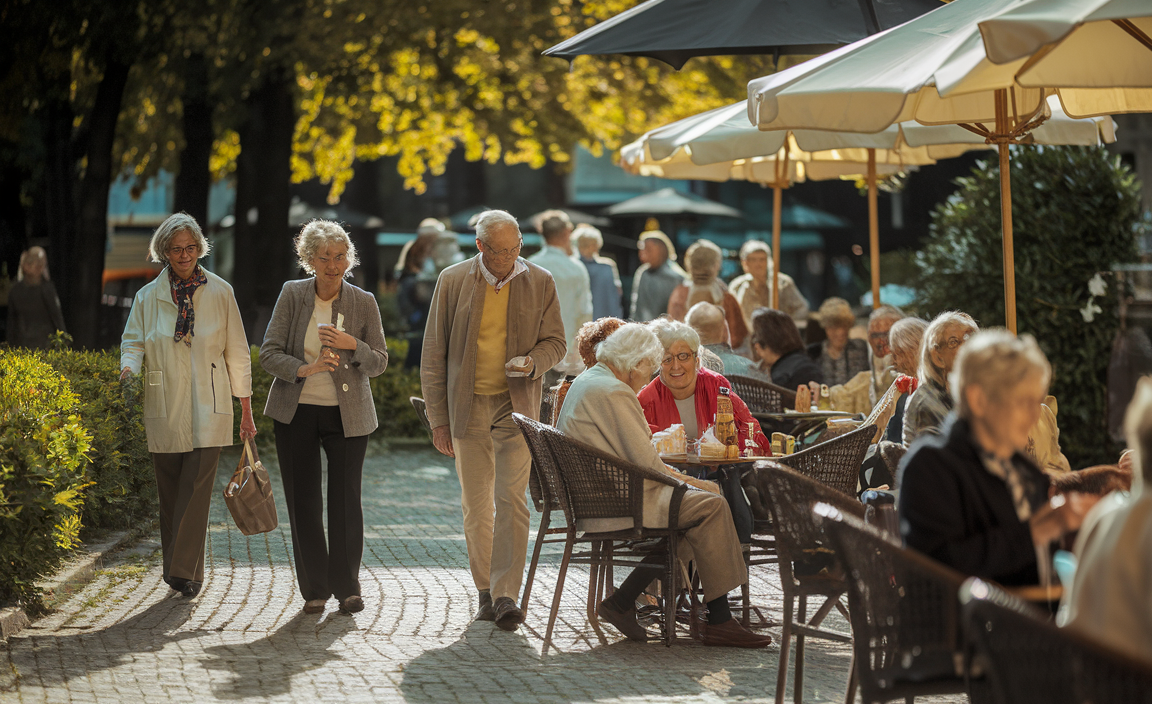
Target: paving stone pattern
[{"x": 125, "y": 638}]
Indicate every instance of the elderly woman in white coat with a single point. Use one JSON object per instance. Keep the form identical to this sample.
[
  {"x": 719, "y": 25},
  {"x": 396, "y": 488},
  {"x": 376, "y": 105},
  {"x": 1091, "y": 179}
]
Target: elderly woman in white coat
[
  {"x": 323, "y": 343},
  {"x": 601, "y": 409},
  {"x": 185, "y": 332}
]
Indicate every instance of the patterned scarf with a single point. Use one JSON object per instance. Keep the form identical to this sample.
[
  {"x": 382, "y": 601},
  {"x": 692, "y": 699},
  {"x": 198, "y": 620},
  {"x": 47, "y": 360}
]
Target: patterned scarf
[{"x": 182, "y": 296}]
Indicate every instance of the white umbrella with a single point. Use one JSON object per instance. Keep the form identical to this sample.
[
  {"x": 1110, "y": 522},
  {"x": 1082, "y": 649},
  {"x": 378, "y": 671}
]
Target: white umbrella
[
  {"x": 1104, "y": 45},
  {"x": 933, "y": 70},
  {"x": 720, "y": 145}
]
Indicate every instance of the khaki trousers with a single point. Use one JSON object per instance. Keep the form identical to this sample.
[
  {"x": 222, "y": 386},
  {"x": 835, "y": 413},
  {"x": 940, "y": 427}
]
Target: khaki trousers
[
  {"x": 713, "y": 544},
  {"x": 492, "y": 462},
  {"x": 184, "y": 482}
]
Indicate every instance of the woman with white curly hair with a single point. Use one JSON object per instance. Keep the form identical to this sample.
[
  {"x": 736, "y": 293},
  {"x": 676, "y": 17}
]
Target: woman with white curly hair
[
  {"x": 185, "y": 332},
  {"x": 704, "y": 259},
  {"x": 323, "y": 343},
  {"x": 601, "y": 409}
]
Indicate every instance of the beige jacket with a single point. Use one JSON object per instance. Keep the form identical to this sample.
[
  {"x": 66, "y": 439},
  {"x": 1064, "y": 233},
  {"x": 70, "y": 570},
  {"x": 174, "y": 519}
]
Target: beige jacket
[
  {"x": 448, "y": 360},
  {"x": 188, "y": 390}
]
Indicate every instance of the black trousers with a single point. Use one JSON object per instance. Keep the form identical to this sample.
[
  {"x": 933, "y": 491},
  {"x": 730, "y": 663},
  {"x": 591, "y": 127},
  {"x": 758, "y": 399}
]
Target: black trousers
[{"x": 329, "y": 567}]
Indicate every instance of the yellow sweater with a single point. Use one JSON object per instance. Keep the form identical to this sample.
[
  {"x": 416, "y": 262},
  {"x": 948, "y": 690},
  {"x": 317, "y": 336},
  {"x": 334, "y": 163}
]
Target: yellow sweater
[{"x": 492, "y": 343}]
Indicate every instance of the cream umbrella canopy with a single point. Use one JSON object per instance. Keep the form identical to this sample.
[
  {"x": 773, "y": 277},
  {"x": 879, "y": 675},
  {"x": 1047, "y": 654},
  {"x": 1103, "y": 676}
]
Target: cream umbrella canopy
[{"x": 932, "y": 70}]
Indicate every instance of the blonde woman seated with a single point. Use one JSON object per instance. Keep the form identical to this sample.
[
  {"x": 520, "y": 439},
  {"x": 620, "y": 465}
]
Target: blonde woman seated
[{"x": 602, "y": 410}]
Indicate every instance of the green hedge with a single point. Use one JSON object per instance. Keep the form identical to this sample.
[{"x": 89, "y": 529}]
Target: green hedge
[
  {"x": 44, "y": 452},
  {"x": 390, "y": 393}
]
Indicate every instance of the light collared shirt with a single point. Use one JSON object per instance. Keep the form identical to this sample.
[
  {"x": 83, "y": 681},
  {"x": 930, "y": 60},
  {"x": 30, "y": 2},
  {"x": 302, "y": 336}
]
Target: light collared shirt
[
  {"x": 575, "y": 295},
  {"x": 518, "y": 268}
]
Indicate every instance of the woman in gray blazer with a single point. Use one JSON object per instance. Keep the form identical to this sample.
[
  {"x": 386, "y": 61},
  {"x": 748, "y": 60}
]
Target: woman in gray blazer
[{"x": 323, "y": 344}]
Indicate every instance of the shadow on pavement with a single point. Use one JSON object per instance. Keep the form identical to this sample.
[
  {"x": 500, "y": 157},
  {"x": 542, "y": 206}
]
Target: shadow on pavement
[
  {"x": 105, "y": 648},
  {"x": 490, "y": 663},
  {"x": 264, "y": 667}
]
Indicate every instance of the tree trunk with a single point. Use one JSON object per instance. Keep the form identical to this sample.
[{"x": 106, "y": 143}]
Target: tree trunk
[
  {"x": 86, "y": 259},
  {"x": 194, "y": 180},
  {"x": 54, "y": 214},
  {"x": 264, "y": 253}
]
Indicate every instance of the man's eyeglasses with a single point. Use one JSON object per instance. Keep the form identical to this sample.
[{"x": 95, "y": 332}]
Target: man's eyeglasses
[
  {"x": 682, "y": 358},
  {"x": 954, "y": 342},
  {"x": 505, "y": 253},
  {"x": 192, "y": 249},
  {"x": 878, "y": 336}
]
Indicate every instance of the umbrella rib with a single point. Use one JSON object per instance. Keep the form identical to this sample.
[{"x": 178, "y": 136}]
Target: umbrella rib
[
  {"x": 1135, "y": 31},
  {"x": 977, "y": 129}
]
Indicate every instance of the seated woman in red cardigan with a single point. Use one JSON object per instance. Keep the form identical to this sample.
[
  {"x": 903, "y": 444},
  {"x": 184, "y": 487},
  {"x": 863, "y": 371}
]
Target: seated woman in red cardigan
[{"x": 686, "y": 393}]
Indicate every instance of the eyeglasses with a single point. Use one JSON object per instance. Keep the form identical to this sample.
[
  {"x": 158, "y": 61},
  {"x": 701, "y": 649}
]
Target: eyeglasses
[
  {"x": 878, "y": 336},
  {"x": 505, "y": 253},
  {"x": 682, "y": 357},
  {"x": 192, "y": 249},
  {"x": 954, "y": 342}
]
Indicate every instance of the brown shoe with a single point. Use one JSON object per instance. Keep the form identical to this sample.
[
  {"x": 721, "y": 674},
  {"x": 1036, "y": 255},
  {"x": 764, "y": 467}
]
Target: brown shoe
[
  {"x": 486, "y": 612},
  {"x": 508, "y": 614},
  {"x": 351, "y": 605},
  {"x": 315, "y": 606},
  {"x": 731, "y": 634},
  {"x": 623, "y": 621}
]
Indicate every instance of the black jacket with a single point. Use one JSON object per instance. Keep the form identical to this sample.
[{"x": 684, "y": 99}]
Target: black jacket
[
  {"x": 794, "y": 369},
  {"x": 955, "y": 511}
]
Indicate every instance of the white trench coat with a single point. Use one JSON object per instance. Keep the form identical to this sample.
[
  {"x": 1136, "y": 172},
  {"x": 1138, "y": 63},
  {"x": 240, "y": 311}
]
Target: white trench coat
[{"x": 188, "y": 390}]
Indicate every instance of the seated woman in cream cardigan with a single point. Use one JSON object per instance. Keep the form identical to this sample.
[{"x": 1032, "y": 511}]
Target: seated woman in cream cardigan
[{"x": 601, "y": 409}]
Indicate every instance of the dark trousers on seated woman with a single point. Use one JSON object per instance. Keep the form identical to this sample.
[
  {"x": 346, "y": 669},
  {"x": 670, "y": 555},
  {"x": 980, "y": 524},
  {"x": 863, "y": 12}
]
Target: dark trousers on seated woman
[
  {"x": 329, "y": 567},
  {"x": 184, "y": 483}
]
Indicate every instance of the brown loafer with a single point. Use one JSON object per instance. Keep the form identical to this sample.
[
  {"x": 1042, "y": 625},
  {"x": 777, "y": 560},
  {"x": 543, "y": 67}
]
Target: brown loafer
[
  {"x": 315, "y": 606},
  {"x": 351, "y": 605},
  {"x": 486, "y": 612},
  {"x": 731, "y": 634},
  {"x": 508, "y": 614},
  {"x": 623, "y": 621}
]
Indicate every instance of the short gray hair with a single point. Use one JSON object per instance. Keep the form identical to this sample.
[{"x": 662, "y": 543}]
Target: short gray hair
[
  {"x": 670, "y": 332},
  {"x": 996, "y": 361},
  {"x": 173, "y": 225},
  {"x": 631, "y": 345},
  {"x": 755, "y": 246},
  {"x": 933, "y": 338},
  {"x": 907, "y": 334},
  {"x": 886, "y": 312},
  {"x": 492, "y": 219},
  {"x": 704, "y": 256},
  {"x": 586, "y": 234},
  {"x": 318, "y": 233}
]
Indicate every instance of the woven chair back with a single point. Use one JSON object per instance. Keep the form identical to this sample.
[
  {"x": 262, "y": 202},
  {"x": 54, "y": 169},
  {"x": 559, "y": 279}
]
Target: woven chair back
[
  {"x": 834, "y": 463},
  {"x": 544, "y": 481},
  {"x": 762, "y": 396},
  {"x": 903, "y": 606},
  {"x": 1027, "y": 658},
  {"x": 791, "y": 497},
  {"x": 596, "y": 484}
]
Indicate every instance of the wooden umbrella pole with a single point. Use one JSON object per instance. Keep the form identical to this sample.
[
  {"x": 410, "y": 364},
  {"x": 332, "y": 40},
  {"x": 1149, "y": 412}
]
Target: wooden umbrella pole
[
  {"x": 1003, "y": 132},
  {"x": 777, "y": 204},
  {"x": 873, "y": 230}
]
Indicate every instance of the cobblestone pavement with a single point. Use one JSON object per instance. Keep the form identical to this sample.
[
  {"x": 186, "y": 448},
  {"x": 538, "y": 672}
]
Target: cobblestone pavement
[{"x": 125, "y": 639}]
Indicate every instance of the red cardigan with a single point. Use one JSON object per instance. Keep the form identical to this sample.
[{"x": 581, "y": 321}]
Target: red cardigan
[{"x": 661, "y": 413}]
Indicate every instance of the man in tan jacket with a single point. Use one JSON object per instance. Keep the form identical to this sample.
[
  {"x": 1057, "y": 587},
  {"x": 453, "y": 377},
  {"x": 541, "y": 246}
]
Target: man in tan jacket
[{"x": 493, "y": 330}]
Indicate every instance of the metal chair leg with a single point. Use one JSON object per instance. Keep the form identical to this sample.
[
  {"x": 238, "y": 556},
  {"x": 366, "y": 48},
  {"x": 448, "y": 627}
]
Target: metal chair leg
[
  {"x": 785, "y": 642},
  {"x": 798, "y": 684},
  {"x": 535, "y": 561},
  {"x": 595, "y": 574},
  {"x": 559, "y": 591}
]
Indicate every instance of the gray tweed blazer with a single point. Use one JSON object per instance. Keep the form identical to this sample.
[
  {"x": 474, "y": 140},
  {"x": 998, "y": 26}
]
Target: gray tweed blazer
[{"x": 283, "y": 353}]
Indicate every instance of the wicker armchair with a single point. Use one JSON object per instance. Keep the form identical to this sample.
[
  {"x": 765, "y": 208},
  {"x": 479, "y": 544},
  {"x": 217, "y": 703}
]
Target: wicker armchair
[
  {"x": 904, "y": 613},
  {"x": 1027, "y": 659},
  {"x": 762, "y": 396},
  {"x": 421, "y": 412},
  {"x": 836, "y": 462},
  {"x": 589, "y": 484},
  {"x": 808, "y": 566}
]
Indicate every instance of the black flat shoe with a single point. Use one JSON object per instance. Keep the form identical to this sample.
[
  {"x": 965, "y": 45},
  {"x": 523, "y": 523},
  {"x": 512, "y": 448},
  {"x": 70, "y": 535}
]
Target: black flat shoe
[
  {"x": 190, "y": 589},
  {"x": 351, "y": 605}
]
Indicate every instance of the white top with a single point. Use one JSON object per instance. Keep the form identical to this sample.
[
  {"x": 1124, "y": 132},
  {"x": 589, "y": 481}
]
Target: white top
[
  {"x": 687, "y": 409},
  {"x": 319, "y": 389},
  {"x": 575, "y": 294}
]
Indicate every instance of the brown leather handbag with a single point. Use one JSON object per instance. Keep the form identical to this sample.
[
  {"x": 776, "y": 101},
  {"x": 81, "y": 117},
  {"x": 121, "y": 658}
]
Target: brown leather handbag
[{"x": 249, "y": 494}]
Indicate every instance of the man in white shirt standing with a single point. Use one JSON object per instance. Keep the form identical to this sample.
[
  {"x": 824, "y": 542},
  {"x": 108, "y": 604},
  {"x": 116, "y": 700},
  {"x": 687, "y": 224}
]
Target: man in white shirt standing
[{"x": 572, "y": 287}]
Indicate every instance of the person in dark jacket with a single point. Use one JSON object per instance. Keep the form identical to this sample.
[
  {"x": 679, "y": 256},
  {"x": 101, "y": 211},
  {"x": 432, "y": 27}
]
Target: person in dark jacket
[
  {"x": 777, "y": 345},
  {"x": 970, "y": 497}
]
